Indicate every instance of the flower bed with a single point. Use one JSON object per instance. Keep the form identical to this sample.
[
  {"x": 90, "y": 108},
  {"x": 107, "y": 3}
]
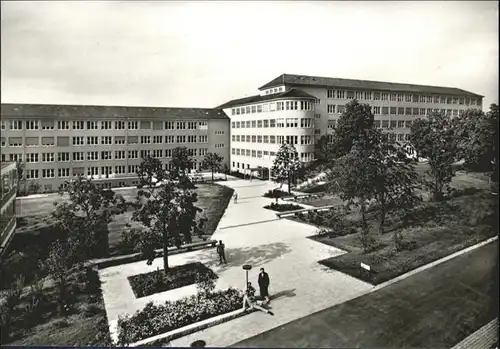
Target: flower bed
[
  {"x": 276, "y": 193},
  {"x": 157, "y": 319},
  {"x": 283, "y": 207},
  {"x": 183, "y": 275}
]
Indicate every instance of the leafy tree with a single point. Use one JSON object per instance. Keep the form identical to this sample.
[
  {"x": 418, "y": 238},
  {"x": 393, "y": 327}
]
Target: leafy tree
[
  {"x": 181, "y": 162},
  {"x": 351, "y": 126},
  {"x": 477, "y": 135},
  {"x": 11, "y": 301},
  {"x": 435, "y": 138},
  {"x": 86, "y": 215},
  {"x": 322, "y": 151},
  {"x": 353, "y": 183},
  {"x": 58, "y": 264},
  {"x": 286, "y": 165},
  {"x": 213, "y": 162},
  {"x": 166, "y": 209},
  {"x": 394, "y": 177},
  {"x": 21, "y": 176}
]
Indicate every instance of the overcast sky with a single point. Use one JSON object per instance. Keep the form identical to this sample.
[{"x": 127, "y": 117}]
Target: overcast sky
[{"x": 202, "y": 54}]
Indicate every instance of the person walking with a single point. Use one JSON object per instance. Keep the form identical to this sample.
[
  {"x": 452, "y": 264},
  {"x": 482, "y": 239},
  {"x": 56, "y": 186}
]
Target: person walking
[
  {"x": 264, "y": 285},
  {"x": 221, "y": 252},
  {"x": 235, "y": 197}
]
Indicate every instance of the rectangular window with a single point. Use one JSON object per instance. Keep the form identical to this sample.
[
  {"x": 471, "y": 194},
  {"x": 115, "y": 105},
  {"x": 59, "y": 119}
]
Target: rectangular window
[
  {"x": 191, "y": 138},
  {"x": 376, "y": 123},
  {"x": 180, "y": 125},
  {"x": 393, "y": 97},
  {"x": 169, "y": 139},
  {"x": 168, "y": 153},
  {"x": 119, "y": 139},
  {"x": 393, "y": 110},
  {"x": 48, "y": 173},
  {"x": 92, "y": 140},
  {"x": 330, "y": 93},
  {"x": 385, "y": 123},
  {"x": 78, "y": 141},
  {"x": 106, "y": 140},
  {"x": 92, "y": 125},
  {"x": 92, "y": 155},
  {"x": 350, "y": 94},
  {"x": 32, "y": 125},
  {"x": 78, "y": 125},
  {"x": 145, "y": 139},
  {"x": 401, "y": 111},
  {"x": 63, "y": 172},
  {"x": 401, "y": 124},
  {"x": 92, "y": 171},
  {"x": 180, "y": 139},
  {"x": 331, "y": 108},
  {"x": 385, "y": 96},
  {"x": 359, "y": 95},
  {"x": 203, "y": 139},
  {"x": 63, "y": 125},
  {"x": 340, "y": 94},
  {"x": 133, "y": 125},
  {"x": 408, "y": 111},
  {"x": 400, "y": 97},
  {"x": 393, "y": 124},
  {"x": 47, "y": 124},
  {"x": 47, "y": 157},
  {"x": 78, "y": 156},
  {"x": 120, "y": 169},
  {"x": 407, "y": 98},
  {"x": 132, "y": 140},
  {"x": 105, "y": 125},
  {"x": 119, "y": 154},
  {"x": 157, "y": 139},
  {"x": 259, "y": 123},
  {"x": 145, "y": 153},
  {"x": 106, "y": 155},
  {"x": 133, "y": 154},
  {"x": 422, "y": 111},
  {"x": 368, "y": 95}
]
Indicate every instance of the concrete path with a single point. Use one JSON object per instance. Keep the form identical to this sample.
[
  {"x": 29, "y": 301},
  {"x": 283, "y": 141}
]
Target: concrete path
[{"x": 252, "y": 235}]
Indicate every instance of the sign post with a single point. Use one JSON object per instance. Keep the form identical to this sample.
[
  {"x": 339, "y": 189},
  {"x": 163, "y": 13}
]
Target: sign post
[{"x": 247, "y": 267}]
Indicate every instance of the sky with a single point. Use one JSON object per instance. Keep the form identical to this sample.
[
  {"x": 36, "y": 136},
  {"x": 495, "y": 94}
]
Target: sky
[{"x": 205, "y": 53}]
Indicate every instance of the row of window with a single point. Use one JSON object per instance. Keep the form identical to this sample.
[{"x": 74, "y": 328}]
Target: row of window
[
  {"x": 400, "y": 137},
  {"x": 400, "y": 97},
  {"x": 103, "y": 155},
  {"x": 273, "y": 106},
  {"x": 304, "y": 140},
  {"x": 103, "y": 125},
  {"x": 380, "y": 123},
  {"x": 103, "y": 140},
  {"x": 274, "y": 90},
  {"x": 290, "y": 122},
  {"x": 268, "y": 155},
  {"x": 377, "y": 110}
]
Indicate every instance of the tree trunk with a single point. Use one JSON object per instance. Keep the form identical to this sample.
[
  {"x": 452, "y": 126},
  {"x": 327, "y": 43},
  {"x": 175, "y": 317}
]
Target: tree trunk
[
  {"x": 382, "y": 217},
  {"x": 212, "y": 174},
  {"x": 165, "y": 252},
  {"x": 289, "y": 189}
]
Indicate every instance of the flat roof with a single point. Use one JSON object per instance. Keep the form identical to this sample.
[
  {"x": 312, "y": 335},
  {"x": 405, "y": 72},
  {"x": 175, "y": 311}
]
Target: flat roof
[{"x": 291, "y": 93}]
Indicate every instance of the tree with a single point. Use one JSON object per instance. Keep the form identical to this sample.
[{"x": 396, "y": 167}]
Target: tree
[
  {"x": 353, "y": 183},
  {"x": 477, "y": 135},
  {"x": 86, "y": 215},
  {"x": 226, "y": 171},
  {"x": 394, "y": 177},
  {"x": 286, "y": 165},
  {"x": 181, "y": 162},
  {"x": 435, "y": 138},
  {"x": 213, "y": 162},
  {"x": 351, "y": 126},
  {"x": 322, "y": 151},
  {"x": 166, "y": 209},
  {"x": 21, "y": 176},
  {"x": 11, "y": 299},
  {"x": 58, "y": 264}
]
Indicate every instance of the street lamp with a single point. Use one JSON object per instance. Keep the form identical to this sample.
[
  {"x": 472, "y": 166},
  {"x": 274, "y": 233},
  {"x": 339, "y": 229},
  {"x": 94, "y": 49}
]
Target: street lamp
[{"x": 247, "y": 267}]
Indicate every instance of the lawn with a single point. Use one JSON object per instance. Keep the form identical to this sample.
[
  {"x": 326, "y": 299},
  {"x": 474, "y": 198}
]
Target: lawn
[
  {"x": 438, "y": 230},
  {"x": 435, "y": 308},
  {"x": 212, "y": 199},
  {"x": 85, "y": 325},
  {"x": 156, "y": 281}
]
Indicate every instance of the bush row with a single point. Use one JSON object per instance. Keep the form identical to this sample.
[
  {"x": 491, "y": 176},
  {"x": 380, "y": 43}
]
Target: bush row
[
  {"x": 150, "y": 283},
  {"x": 282, "y": 207},
  {"x": 331, "y": 219},
  {"x": 156, "y": 319},
  {"x": 276, "y": 193}
]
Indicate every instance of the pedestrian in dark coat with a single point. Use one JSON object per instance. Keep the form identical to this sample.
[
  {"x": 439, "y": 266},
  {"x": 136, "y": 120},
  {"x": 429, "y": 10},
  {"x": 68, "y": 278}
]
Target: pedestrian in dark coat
[
  {"x": 221, "y": 251},
  {"x": 264, "y": 284}
]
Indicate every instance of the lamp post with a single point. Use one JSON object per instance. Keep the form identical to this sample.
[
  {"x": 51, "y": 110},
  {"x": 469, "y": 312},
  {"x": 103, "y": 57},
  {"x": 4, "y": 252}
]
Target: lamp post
[{"x": 247, "y": 267}]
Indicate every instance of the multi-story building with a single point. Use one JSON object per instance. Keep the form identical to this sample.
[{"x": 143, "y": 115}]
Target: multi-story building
[
  {"x": 59, "y": 142},
  {"x": 8, "y": 204},
  {"x": 300, "y": 109}
]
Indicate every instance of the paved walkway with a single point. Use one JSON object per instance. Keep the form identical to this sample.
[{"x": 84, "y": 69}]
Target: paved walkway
[
  {"x": 435, "y": 308},
  {"x": 255, "y": 236}
]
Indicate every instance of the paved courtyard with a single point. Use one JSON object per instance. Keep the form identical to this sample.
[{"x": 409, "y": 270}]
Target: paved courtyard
[{"x": 253, "y": 235}]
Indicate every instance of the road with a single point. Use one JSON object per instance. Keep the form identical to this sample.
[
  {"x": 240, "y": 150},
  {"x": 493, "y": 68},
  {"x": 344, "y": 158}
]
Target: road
[{"x": 437, "y": 307}]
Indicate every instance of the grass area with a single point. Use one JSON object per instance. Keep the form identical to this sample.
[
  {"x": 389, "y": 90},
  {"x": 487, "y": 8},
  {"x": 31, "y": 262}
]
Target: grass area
[
  {"x": 212, "y": 199},
  {"x": 438, "y": 230},
  {"x": 155, "y": 282},
  {"x": 436, "y": 308},
  {"x": 85, "y": 324}
]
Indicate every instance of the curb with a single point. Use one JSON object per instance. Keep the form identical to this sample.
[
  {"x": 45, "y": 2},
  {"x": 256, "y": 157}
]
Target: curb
[
  {"x": 432, "y": 264},
  {"x": 484, "y": 338},
  {"x": 198, "y": 326}
]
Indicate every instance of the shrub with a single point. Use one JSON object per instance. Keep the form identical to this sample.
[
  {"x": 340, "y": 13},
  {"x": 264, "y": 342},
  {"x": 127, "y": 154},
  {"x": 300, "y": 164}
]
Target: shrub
[
  {"x": 283, "y": 207},
  {"x": 275, "y": 193},
  {"x": 179, "y": 276},
  {"x": 205, "y": 284},
  {"x": 157, "y": 319}
]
